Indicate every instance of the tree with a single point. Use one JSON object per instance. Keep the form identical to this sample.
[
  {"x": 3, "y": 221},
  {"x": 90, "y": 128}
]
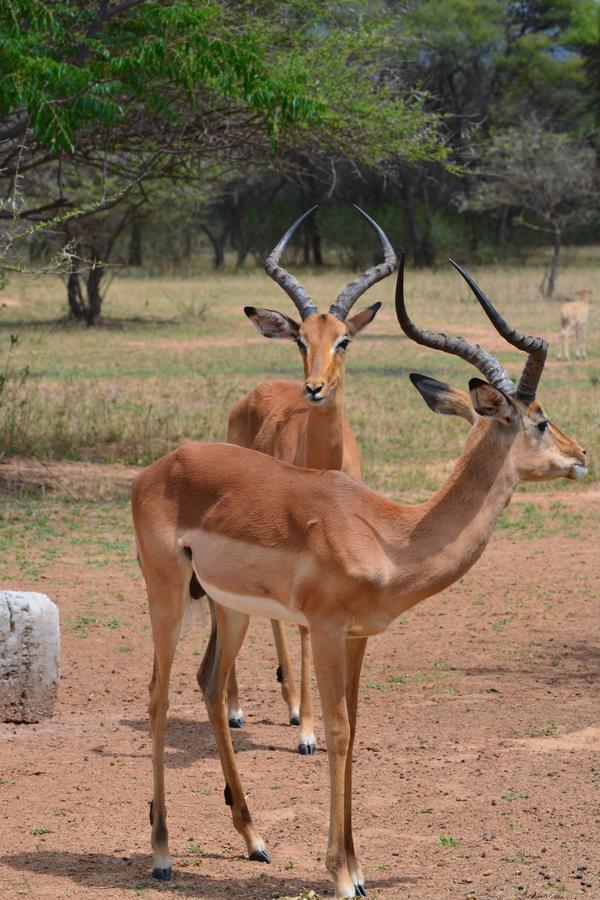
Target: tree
[
  {"x": 547, "y": 177},
  {"x": 140, "y": 90}
]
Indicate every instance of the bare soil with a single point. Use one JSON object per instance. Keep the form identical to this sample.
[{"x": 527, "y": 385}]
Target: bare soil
[{"x": 477, "y": 766}]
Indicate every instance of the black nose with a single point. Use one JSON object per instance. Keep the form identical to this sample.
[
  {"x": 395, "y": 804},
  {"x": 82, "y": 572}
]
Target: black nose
[{"x": 313, "y": 391}]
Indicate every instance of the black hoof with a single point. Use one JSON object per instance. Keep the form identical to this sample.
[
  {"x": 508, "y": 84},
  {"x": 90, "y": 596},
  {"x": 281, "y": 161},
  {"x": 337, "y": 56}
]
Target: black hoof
[
  {"x": 162, "y": 874},
  {"x": 260, "y": 856},
  {"x": 360, "y": 890},
  {"x": 294, "y": 720},
  {"x": 236, "y": 723},
  {"x": 307, "y": 749}
]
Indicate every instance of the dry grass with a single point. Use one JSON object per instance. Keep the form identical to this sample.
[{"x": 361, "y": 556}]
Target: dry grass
[{"x": 174, "y": 354}]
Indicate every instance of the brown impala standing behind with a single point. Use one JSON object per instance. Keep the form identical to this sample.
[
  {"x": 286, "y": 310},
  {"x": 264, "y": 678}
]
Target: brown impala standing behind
[
  {"x": 303, "y": 423},
  {"x": 321, "y": 550}
]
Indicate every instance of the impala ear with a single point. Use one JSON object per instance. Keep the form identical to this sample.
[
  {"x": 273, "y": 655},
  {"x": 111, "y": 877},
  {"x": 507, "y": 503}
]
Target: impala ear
[
  {"x": 442, "y": 398},
  {"x": 272, "y": 324},
  {"x": 361, "y": 319},
  {"x": 490, "y": 402}
]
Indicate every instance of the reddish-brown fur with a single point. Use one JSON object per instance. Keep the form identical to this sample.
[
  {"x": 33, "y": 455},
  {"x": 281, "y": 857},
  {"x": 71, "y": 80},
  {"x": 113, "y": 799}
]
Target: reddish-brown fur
[{"x": 325, "y": 547}]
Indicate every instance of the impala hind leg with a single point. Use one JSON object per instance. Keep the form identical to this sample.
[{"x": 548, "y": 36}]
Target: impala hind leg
[
  {"x": 235, "y": 713},
  {"x": 285, "y": 675},
  {"x": 355, "y": 652},
  {"x": 166, "y": 613},
  {"x": 330, "y": 669},
  {"x": 212, "y": 678},
  {"x": 307, "y": 744}
]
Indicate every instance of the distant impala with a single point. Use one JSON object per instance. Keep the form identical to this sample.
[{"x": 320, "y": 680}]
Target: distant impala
[
  {"x": 304, "y": 423},
  {"x": 321, "y": 550},
  {"x": 573, "y": 318}
]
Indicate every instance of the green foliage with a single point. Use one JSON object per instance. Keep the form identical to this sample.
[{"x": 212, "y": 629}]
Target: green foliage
[
  {"x": 500, "y": 62},
  {"x": 524, "y": 167},
  {"x": 352, "y": 55},
  {"x": 70, "y": 66}
]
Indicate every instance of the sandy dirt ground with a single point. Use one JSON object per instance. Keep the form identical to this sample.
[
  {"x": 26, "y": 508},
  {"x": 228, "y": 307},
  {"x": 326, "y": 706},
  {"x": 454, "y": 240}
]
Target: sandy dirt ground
[{"x": 477, "y": 765}]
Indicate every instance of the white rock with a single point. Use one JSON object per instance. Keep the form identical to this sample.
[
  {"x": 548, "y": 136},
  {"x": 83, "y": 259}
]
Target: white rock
[{"x": 29, "y": 656}]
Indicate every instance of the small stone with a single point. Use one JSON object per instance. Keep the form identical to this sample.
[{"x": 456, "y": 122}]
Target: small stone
[{"x": 29, "y": 656}]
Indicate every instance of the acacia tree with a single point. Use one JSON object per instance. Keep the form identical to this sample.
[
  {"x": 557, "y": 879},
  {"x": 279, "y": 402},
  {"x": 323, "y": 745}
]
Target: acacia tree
[
  {"x": 141, "y": 90},
  {"x": 546, "y": 177},
  {"x": 121, "y": 93}
]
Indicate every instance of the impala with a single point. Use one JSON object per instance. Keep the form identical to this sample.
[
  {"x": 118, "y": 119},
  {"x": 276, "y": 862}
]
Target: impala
[
  {"x": 321, "y": 550},
  {"x": 573, "y": 318},
  {"x": 303, "y": 423}
]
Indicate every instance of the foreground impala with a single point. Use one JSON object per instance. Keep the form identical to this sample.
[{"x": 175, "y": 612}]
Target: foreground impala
[
  {"x": 321, "y": 550},
  {"x": 304, "y": 423}
]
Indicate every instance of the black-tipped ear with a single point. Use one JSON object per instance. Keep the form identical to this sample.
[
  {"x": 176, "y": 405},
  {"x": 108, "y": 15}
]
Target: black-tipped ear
[
  {"x": 442, "y": 398},
  {"x": 363, "y": 318},
  {"x": 490, "y": 402},
  {"x": 430, "y": 389},
  {"x": 272, "y": 324}
]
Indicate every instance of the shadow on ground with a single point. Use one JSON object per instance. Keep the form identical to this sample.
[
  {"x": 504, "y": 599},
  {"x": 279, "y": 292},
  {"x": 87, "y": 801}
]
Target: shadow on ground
[
  {"x": 101, "y": 870},
  {"x": 188, "y": 741}
]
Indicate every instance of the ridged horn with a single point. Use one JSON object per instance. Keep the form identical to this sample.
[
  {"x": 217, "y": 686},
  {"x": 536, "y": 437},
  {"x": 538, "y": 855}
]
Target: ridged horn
[
  {"x": 535, "y": 347},
  {"x": 487, "y": 364},
  {"x": 353, "y": 291},
  {"x": 292, "y": 287}
]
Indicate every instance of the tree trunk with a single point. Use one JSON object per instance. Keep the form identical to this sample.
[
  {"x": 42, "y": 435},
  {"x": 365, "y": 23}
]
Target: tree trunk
[
  {"x": 502, "y": 231},
  {"x": 420, "y": 244},
  {"x": 305, "y": 245},
  {"x": 217, "y": 242},
  {"x": 135, "y": 244},
  {"x": 243, "y": 249},
  {"x": 549, "y": 280},
  {"x": 315, "y": 242},
  {"x": 84, "y": 295},
  {"x": 94, "y": 297},
  {"x": 74, "y": 295}
]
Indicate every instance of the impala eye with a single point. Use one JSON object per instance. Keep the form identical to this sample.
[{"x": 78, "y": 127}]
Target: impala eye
[
  {"x": 543, "y": 425},
  {"x": 341, "y": 345}
]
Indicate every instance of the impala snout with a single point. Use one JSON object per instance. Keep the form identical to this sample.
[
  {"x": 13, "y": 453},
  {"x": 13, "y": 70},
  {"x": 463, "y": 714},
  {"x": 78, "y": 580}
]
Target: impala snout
[
  {"x": 572, "y": 454},
  {"x": 579, "y": 467},
  {"x": 313, "y": 391}
]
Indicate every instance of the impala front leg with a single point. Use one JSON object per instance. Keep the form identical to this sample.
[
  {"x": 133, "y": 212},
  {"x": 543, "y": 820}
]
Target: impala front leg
[
  {"x": 329, "y": 660},
  {"x": 212, "y": 678},
  {"x": 355, "y": 652}
]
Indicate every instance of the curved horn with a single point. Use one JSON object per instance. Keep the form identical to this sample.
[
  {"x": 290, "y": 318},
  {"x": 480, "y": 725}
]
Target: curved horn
[
  {"x": 350, "y": 294},
  {"x": 290, "y": 285},
  {"x": 487, "y": 364},
  {"x": 536, "y": 347}
]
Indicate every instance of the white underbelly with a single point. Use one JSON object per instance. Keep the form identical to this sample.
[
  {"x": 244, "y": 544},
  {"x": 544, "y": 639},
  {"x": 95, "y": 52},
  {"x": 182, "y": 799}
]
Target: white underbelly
[{"x": 254, "y": 606}]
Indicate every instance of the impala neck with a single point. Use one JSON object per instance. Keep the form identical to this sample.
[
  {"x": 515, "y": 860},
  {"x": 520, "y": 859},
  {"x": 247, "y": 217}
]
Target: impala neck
[
  {"x": 450, "y": 531},
  {"x": 325, "y": 434}
]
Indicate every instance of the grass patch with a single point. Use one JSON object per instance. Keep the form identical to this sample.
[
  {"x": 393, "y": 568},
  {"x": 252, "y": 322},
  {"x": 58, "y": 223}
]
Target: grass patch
[
  {"x": 162, "y": 371},
  {"x": 510, "y": 796},
  {"x": 447, "y": 841},
  {"x": 530, "y": 520}
]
